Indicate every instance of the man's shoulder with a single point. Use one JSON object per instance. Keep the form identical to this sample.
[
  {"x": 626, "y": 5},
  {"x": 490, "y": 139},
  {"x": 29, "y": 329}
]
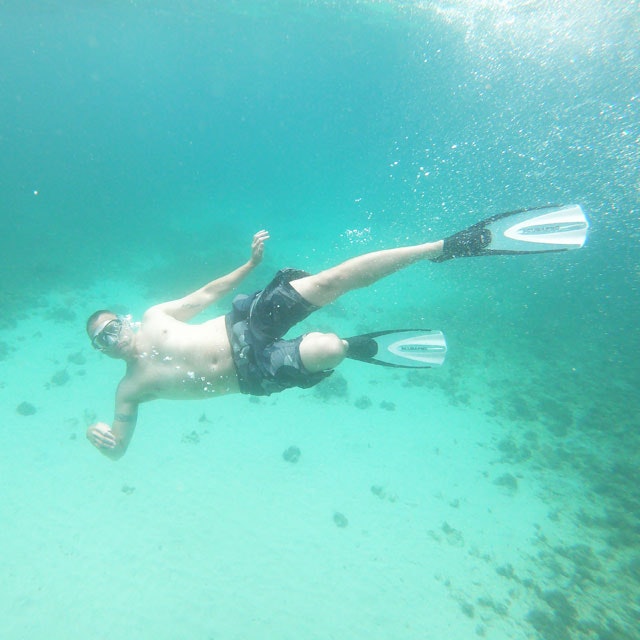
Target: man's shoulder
[
  {"x": 158, "y": 316},
  {"x": 156, "y": 312},
  {"x": 132, "y": 387}
]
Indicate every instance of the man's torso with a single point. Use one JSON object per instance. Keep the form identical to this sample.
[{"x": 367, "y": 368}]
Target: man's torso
[{"x": 179, "y": 360}]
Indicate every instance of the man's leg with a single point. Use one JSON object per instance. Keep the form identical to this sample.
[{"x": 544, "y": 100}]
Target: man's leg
[
  {"x": 324, "y": 287},
  {"x": 322, "y": 351}
]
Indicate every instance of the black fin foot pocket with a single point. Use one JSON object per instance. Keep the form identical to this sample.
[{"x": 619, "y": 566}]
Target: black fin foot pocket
[
  {"x": 361, "y": 348},
  {"x": 465, "y": 244}
]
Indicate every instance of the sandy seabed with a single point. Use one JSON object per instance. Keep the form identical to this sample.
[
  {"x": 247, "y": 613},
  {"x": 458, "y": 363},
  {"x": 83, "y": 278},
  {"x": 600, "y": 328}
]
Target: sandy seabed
[{"x": 402, "y": 518}]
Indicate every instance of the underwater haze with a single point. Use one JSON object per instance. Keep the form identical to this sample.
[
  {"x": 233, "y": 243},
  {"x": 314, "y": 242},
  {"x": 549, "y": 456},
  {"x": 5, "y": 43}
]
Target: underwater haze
[{"x": 143, "y": 143}]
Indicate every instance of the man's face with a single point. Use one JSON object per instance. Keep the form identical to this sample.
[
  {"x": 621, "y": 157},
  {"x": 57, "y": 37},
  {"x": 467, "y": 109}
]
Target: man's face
[{"x": 112, "y": 335}]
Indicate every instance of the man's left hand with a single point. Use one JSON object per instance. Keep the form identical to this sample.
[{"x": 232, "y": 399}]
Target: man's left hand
[{"x": 257, "y": 246}]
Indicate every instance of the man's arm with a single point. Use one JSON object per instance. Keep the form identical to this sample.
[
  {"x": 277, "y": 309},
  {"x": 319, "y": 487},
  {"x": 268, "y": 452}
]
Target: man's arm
[
  {"x": 113, "y": 441},
  {"x": 186, "y": 308}
]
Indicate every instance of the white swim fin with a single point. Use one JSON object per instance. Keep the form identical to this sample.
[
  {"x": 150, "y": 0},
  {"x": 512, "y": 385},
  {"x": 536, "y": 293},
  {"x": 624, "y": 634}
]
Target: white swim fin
[
  {"x": 408, "y": 348},
  {"x": 540, "y": 230}
]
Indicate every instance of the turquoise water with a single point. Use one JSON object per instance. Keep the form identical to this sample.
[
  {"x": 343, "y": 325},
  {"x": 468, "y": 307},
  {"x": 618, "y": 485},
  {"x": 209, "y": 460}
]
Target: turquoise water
[{"x": 143, "y": 143}]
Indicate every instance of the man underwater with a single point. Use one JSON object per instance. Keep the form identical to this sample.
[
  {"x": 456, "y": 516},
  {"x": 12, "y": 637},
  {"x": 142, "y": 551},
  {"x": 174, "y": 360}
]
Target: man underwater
[{"x": 244, "y": 350}]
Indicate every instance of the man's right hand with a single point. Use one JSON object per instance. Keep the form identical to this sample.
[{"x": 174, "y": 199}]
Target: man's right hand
[{"x": 101, "y": 436}]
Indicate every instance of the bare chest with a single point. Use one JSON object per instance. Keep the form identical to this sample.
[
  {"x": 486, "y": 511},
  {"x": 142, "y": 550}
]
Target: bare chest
[{"x": 184, "y": 361}]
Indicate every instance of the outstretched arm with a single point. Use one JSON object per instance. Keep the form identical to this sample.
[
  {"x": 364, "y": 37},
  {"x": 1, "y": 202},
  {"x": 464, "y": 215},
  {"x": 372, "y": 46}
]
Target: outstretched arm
[{"x": 186, "y": 308}]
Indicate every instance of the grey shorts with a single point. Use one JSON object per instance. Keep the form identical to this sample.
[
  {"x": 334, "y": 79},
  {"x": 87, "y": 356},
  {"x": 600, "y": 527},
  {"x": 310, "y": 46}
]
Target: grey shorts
[{"x": 265, "y": 363}]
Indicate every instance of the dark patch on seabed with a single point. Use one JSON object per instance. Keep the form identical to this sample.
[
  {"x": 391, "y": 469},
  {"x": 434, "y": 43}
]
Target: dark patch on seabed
[
  {"x": 582, "y": 442},
  {"x": 583, "y": 583}
]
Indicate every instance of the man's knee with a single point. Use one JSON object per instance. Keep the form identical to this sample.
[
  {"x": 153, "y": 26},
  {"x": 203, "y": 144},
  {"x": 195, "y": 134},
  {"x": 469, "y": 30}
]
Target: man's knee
[{"x": 321, "y": 351}]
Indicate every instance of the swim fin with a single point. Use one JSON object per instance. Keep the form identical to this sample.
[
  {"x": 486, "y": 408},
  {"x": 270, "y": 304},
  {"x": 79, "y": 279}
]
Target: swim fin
[
  {"x": 409, "y": 348},
  {"x": 539, "y": 230}
]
